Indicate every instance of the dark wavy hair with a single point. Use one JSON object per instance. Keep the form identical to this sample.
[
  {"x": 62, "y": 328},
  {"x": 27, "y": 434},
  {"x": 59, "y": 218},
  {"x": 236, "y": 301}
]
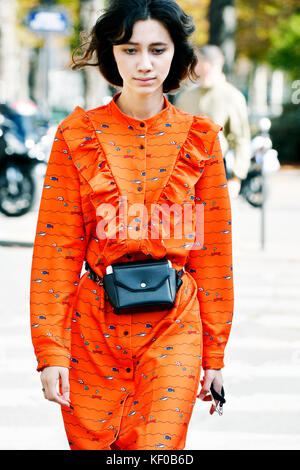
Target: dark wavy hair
[{"x": 115, "y": 27}]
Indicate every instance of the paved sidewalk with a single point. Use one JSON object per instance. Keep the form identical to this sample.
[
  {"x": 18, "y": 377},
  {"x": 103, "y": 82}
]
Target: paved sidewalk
[{"x": 262, "y": 364}]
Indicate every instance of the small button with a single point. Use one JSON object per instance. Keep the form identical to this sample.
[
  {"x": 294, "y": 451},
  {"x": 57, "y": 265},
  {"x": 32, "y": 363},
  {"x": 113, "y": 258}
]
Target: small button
[
  {"x": 140, "y": 188},
  {"x": 137, "y": 228},
  {"x": 142, "y": 147},
  {"x": 128, "y": 369},
  {"x": 142, "y": 124},
  {"x": 125, "y": 333}
]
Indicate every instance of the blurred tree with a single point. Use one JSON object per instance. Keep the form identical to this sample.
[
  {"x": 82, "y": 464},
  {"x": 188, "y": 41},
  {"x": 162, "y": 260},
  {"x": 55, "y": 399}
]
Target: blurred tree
[
  {"x": 199, "y": 10},
  {"x": 74, "y": 7},
  {"x": 218, "y": 32},
  {"x": 266, "y": 31},
  {"x": 222, "y": 19},
  {"x": 258, "y": 24},
  {"x": 284, "y": 52},
  {"x": 215, "y": 22}
]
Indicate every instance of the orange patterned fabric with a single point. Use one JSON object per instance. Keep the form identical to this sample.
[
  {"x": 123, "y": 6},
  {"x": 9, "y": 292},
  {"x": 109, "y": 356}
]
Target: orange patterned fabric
[{"x": 133, "y": 377}]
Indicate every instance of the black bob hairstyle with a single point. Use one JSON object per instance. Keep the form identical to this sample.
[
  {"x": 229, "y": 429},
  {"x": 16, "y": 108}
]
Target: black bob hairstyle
[{"x": 115, "y": 27}]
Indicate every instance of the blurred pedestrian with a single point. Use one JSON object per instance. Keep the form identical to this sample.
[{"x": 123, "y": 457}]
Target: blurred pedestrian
[
  {"x": 130, "y": 380},
  {"x": 225, "y": 104}
]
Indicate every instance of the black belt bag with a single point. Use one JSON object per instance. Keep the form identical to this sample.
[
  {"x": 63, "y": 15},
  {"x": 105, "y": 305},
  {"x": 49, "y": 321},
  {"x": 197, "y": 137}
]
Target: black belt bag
[{"x": 139, "y": 286}]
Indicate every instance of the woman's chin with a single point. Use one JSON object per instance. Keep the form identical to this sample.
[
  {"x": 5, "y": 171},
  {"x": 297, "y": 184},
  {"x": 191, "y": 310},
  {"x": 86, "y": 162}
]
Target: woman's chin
[{"x": 143, "y": 90}]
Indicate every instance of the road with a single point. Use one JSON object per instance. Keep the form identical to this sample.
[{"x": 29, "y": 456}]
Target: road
[{"x": 262, "y": 362}]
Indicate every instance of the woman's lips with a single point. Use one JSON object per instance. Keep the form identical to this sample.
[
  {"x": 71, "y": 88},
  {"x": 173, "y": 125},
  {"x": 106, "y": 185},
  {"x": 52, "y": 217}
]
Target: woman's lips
[{"x": 145, "y": 81}]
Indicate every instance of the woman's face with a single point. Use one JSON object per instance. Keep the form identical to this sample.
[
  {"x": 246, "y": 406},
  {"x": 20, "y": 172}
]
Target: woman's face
[{"x": 144, "y": 62}]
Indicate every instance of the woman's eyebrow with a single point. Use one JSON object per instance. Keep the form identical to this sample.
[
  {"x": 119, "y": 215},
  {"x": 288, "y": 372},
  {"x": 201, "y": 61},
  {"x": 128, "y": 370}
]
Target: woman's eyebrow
[{"x": 152, "y": 44}]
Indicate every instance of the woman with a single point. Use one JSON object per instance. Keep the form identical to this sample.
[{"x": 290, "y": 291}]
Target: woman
[{"x": 130, "y": 381}]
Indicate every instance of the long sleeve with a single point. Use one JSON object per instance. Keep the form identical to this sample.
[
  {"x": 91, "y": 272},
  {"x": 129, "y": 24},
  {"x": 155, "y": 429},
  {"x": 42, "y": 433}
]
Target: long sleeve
[
  {"x": 211, "y": 264},
  {"x": 58, "y": 255}
]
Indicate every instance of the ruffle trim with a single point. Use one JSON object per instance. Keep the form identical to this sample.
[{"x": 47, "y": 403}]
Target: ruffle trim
[
  {"x": 191, "y": 160},
  {"x": 90, "y": 161},
  {"x": 89, "y": 158},
  {"x": 92, "y": 164}
]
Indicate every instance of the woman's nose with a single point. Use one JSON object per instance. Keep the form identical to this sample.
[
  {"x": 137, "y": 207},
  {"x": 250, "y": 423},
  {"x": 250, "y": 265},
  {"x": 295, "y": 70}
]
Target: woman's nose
[{"x": 144, "y": 62}]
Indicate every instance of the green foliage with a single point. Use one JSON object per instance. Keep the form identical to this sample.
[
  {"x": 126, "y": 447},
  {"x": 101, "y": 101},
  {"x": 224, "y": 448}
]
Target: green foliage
[
  {"x": 266, "y": 31},
  {"x": 284, "y": 52},
  {"x": 258, "y": 23}
]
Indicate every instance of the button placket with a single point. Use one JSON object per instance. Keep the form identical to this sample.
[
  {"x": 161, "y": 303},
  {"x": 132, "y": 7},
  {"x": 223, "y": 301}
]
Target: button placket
[
  {"x": 142, "y": 188},
  {"x": 125, "y": 349}
]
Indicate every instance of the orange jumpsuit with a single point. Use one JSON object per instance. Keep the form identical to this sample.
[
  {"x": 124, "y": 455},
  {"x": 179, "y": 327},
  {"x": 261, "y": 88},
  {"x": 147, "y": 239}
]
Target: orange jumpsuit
[{"x": 133, "y": 377}]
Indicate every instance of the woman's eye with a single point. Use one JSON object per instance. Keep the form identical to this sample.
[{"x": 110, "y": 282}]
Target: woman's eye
[
  {"x": 155, "y": 51},
  {"x": 158, "y": 51}
]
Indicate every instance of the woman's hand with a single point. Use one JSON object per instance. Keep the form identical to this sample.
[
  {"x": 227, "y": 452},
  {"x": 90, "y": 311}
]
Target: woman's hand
[
  {"x": 211, "y": 376},
  {"x": 49, "y": 378}
]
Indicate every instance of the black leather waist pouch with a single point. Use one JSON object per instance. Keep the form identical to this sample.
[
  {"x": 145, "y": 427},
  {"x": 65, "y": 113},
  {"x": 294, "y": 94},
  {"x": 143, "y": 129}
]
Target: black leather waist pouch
[{"x": 139, "y": 286}]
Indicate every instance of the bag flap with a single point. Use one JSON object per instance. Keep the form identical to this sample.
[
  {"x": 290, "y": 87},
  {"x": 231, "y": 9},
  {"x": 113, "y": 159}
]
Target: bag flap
[{"x": 131, "y": 278}]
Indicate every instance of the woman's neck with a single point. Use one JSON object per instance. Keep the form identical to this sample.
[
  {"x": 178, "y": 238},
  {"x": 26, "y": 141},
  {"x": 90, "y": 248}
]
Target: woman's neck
[{"x": 140, "y": 106}]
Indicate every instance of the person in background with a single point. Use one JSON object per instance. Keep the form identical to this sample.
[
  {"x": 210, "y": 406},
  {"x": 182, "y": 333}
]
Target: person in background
[{"x": 223, "y": 103}]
